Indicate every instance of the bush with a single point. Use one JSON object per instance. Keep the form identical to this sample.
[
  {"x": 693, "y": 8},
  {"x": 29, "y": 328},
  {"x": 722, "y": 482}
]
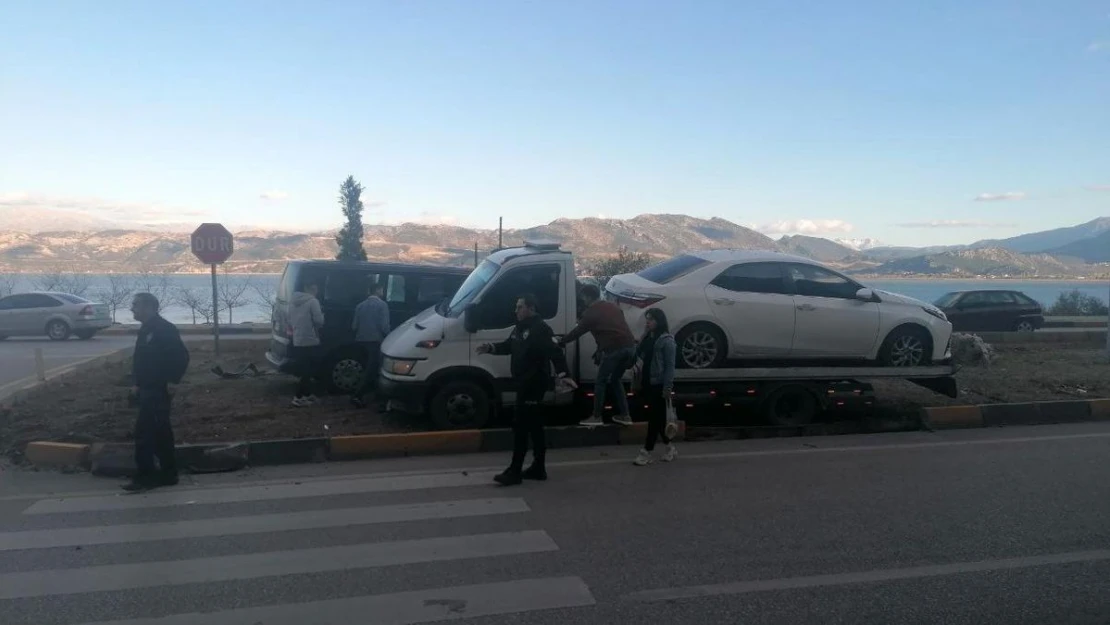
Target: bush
[
  {"x": 625, "y": 261},
  {"x": 1075, "y": 303}
]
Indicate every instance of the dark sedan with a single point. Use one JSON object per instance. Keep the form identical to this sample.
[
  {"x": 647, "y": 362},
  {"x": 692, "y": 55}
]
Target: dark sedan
[{"x": 985, "y": 311}]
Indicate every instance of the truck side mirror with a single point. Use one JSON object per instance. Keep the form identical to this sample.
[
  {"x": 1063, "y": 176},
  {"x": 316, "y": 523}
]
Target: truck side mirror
[{"x": 470, "y": 319}]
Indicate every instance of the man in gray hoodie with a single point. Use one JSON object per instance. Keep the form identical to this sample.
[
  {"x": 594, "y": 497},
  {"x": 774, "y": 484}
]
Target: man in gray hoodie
[
  {"x": 371, "y": 326},
  {"x": 307, "y": 318}
]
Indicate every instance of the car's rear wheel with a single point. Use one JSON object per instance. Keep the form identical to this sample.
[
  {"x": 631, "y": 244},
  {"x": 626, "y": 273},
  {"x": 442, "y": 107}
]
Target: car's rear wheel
[
  {"x": 343, "y": 371},
  {"x": 57, "y": 330},
  {"x": 1024, "y": 325},
  {"x": 459, "y": 405},
  {"x": 701, "y": 346},
  {"x": 907, "y": 346},
  {"x": 85, "y": 335}
]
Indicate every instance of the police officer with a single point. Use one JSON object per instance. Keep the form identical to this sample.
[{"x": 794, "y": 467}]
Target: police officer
[
  {"x": 532, "y": 349},
  {"x": 160, "y": 360}
]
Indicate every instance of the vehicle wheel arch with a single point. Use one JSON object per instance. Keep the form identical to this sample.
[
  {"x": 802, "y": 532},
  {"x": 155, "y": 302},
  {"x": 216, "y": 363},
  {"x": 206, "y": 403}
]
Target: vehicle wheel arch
[{"x": 908, "y": 326}]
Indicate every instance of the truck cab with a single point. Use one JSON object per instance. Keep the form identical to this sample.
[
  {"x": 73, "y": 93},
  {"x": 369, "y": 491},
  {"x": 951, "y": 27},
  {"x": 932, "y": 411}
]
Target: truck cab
[{"x": 429, "y": 363}]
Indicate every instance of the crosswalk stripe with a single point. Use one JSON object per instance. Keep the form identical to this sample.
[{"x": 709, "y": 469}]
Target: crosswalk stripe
[
  {"x": 270, "y": 564},
  {"x": 171, "y": 497},
  {"x": 257, "y": 524},
  {"x": 403, "y": 608}
]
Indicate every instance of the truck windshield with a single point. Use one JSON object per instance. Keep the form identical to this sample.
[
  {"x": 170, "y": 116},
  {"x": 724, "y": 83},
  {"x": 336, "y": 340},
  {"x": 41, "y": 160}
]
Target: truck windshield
[{"x": 471, "y": 287}]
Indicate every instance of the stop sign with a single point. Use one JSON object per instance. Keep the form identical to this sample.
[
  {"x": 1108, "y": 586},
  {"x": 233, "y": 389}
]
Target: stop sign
[{"x": 212, "y": 244}]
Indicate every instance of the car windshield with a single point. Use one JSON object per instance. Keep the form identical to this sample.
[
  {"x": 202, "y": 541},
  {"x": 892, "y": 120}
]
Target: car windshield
[
  {"x": 946, "y": 300},
  {"x": 471, "y": 287}
]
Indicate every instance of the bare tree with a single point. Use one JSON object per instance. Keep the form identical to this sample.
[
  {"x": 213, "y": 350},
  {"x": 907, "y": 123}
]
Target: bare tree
[
  {"x": 198, "y": 301},
  {"x": 233, "y": 294},
  {"x": 70, "y": 282},
  {"x": 7, "y": 284},
  {"x": 117, "y": 293},
  {"x": 262, "y": 295},
  {"x": 158, "y": 284}
]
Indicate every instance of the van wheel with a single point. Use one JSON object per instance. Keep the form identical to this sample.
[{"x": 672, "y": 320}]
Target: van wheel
[
  {"x": 344, "y": 371},
  {"x": 701, "y": 346},
  {"x": 907, "y": 346},
  {"x": 790, "y": 405},
  {"x": 459, "y": 405}
]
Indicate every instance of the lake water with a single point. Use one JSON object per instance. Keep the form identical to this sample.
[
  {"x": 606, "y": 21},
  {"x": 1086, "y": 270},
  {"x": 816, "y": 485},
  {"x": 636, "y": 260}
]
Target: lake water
[{"x": 257, "y": 288}]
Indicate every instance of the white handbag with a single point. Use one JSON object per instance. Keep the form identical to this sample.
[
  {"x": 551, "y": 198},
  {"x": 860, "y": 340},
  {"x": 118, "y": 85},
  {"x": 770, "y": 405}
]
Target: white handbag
[{"x": 671, "y": 429}]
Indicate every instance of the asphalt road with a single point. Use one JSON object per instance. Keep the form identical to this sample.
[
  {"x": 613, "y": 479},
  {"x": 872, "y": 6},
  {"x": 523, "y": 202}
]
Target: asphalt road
[{"x": 980, "y": 526}]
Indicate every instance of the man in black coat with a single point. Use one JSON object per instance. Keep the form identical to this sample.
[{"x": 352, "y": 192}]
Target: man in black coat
[
  {"x": 160, "y": 359},
  {"x": 532, "y": 350}
]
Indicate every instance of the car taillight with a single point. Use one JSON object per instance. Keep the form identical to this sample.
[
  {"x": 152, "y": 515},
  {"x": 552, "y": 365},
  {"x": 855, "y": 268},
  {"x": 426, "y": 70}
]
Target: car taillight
[
  {"x": 87, "y": 311},
  {"x": 639, "y": 300}
]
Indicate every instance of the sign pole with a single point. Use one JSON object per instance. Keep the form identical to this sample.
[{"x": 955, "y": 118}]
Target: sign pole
[{"x": 215, "y": 311}]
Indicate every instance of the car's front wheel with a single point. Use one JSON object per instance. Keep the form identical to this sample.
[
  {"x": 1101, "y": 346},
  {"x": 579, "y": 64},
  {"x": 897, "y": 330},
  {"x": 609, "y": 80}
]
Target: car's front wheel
[
  {"x": 1024, "y": 325},
  {"x": 907, "y": 346},
  {"x": 57, "y": 330},
  {"x": 701, "y": 346}
]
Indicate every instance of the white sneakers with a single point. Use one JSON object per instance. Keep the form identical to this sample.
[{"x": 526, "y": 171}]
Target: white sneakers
[
  {"x": 597, "y": 421},
  {"x": 645, "y": 458},
  {"x": 622, "y": 420}
]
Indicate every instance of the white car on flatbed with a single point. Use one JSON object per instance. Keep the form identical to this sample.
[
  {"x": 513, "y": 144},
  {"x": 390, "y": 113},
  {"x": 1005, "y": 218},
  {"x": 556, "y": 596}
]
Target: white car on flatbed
[{"x": 749, "y": 305}]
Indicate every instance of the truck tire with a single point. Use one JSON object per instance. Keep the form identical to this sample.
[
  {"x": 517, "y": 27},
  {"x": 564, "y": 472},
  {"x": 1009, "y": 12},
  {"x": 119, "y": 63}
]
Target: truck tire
[
  {"x": 907, "y": 346},
  {"x": 701, "y": 346},
  {"x": 790, "y": 406},
  {"x": 459, "y": 405}
]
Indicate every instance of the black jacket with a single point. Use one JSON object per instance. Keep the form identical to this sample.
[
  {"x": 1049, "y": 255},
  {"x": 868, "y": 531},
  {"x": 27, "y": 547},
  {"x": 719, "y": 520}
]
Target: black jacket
[
  {"x": 160, "y": 355},
  {"x": 533, "y": 350}
]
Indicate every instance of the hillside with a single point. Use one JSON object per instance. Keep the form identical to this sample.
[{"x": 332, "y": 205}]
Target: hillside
[
  {"x": 981, "y": 262},
  {"x": 1092, "y": 250},
  {"x": 1049, "y": 240},
  {"x": 819, "y": 249},
  {"x": 262, "y": 251}
]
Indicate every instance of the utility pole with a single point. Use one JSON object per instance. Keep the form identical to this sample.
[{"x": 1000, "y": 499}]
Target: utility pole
[
  {"x": 1108, "y": 336},
  {"x": 475, "y": 253}
]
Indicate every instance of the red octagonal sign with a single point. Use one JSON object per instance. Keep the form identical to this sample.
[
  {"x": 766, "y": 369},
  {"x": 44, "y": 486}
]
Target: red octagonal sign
[{"x": 212, "y": 243}]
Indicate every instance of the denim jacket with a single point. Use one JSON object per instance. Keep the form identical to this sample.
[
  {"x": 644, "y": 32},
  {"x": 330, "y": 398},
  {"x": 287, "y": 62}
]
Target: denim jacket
[{"x": 662, "y": 361}]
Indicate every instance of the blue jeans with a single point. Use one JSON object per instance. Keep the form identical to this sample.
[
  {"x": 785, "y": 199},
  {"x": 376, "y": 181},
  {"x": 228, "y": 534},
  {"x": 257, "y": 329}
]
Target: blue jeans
[{"x": 609, "y": 374}]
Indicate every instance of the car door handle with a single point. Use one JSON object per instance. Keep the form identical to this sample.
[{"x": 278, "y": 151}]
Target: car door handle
[
  {"x": 723, "y": 302},
  {"x": 806, "y": 307}
]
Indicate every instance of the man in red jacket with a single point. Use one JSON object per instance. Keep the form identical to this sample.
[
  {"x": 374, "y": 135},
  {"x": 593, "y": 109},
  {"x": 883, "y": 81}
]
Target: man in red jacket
[{"x": 615, "y": 352}]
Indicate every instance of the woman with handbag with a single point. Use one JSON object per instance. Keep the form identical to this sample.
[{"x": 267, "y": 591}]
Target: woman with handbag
[{"x": 656, "y": 356}]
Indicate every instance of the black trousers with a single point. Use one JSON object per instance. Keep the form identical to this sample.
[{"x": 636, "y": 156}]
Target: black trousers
[
  {"x": 656, "y": 403},
  {"x": 154, "y": 435},
  {"x": 308, "y": 366},
  {"x": 528, "y": 424},
  {"x": 372, "y": 364}
]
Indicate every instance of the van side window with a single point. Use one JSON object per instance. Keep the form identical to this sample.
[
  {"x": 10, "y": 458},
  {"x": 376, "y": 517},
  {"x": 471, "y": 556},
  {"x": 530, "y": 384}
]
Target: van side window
[
  {"x": 498, "y": 308},
  {"x": 431, "y": 290},
  {"x": 395, "y": 289},
  {"x": 346, "y": 288}
]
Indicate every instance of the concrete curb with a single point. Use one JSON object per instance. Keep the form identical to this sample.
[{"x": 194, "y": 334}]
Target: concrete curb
[
  {"x": 1043, "y": 336},
  {"x": 1030, "y": 413},
  {"x": 228, "y": 456}
]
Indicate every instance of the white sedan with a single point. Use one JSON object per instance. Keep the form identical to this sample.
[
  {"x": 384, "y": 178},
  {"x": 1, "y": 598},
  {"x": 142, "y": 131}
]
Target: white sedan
[{"x": 728, "y": 304}]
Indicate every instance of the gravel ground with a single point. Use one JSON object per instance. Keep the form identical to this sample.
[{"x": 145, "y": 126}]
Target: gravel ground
[{"x": 207, "y": 408}]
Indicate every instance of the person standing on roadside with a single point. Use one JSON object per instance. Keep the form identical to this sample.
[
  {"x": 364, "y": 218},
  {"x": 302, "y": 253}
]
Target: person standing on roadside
[
  {"x": 615, "y": 352},
  {"x": 307, "y": 318},
  {"x": 160, "y": 360},
  {"x": 371, "y": 326},
  {"x": 532, "y": 351},
  {"x": 656, "y": 353}
]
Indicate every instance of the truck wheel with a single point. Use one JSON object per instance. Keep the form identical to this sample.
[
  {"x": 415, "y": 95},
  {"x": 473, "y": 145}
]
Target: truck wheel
[
  {"x": 459, "y": 405},
  {"x": 57, "y": 330},
  {"x": 343, "y": 371},
  {"x": 907, "y": 346},
  {"x": 701, "y": 346},
  {"x": 792, "y": 405}
]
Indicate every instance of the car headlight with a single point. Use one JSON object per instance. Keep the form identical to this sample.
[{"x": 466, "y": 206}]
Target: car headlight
[
  {"x": 936, "y": 312},
  {"x": 398, "y": 366}
]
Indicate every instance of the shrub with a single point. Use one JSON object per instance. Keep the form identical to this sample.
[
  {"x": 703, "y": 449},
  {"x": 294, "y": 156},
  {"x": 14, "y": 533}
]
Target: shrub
[{"x": 1075, "y": 303}]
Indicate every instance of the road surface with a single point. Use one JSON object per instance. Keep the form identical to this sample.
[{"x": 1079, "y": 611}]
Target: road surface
[{"x": 979, "y": 526}]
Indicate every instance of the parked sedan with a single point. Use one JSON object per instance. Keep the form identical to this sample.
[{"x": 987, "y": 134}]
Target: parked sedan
[
  {"x": 57, "y": 315},
  {"x": 727, "y": 304},
  {"x": 984, "y": 311}
]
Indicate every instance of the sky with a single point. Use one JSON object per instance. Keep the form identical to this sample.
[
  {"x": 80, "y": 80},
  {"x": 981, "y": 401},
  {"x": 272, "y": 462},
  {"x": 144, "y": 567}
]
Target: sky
[{"x": 912, "y": 123}]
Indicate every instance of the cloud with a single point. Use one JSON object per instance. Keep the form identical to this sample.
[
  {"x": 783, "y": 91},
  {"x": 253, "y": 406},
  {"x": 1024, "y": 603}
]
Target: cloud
[
  {"x": 1098, "y": 187},
  {"x": 956, "y": 223},
  {"x": 806, "y": 226},
  {"x": 1000, "y": 197},
  {"x": 90, "y": 211},
  {"x": 274, "y": 196},
  {"x": 1098, "y": 46}
]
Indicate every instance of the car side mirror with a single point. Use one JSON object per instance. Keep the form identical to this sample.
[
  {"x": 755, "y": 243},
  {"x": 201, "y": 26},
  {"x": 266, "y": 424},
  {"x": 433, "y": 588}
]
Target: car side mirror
[
  {"x": 471, "y": 320},
  {"x": 866, "y": 295}
]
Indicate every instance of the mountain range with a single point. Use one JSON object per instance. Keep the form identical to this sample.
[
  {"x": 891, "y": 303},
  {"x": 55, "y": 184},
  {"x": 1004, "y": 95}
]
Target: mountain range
[{"x": 1065, "y": 252}]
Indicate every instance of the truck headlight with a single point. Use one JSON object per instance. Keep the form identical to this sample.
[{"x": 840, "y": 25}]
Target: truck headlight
[{"x": 398, "y": 366}]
